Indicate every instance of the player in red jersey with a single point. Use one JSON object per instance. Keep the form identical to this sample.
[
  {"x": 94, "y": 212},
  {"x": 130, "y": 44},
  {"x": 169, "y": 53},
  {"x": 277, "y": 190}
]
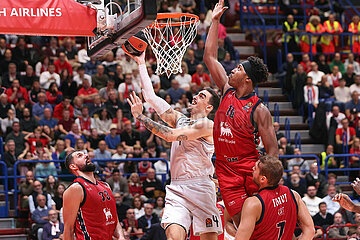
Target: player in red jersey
[
  {"x": 275, "y": 210},
  {"x": 240, "y": 120},
  {"x": 89, "y": 205}
]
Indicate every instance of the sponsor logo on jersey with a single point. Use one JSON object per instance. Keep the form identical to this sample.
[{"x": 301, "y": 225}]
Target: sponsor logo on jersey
[
  {"x": 225, "y": 130},
  {"x": 107, "y": 213},
  {"x": 248, "y": 106},
  {"x": 281, "y": 211},
  {"x": 232, "y": 159},
  {"x": 279, "y": 200},
  {"x": 208, "y": 222}
]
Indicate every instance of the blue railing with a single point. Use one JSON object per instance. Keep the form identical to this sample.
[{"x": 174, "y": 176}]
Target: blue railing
[
  {"x": 287, "y": 129},
  {"x": 346, "y": 170},
  {"x": 253, "y": 21},
  {"x": 298, "y": 140},
  {"x": 4, "y": 210},
  {"x": 163, "y": 175},
  {"x": 266, "y": 98},
  {"x": 276, "y": 113}
]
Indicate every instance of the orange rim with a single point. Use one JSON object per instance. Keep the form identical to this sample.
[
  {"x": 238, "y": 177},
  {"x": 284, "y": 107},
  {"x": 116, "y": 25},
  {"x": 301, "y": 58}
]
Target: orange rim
[{"x": 160, "y": 16}]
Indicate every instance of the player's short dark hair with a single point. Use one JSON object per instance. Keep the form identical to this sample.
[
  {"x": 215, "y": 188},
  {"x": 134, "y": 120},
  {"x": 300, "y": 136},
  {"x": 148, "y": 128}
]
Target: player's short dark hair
[
  {"x": 272, "y": 169},
  {"x": 261, "y": 69},
  {"x": 213, "y": 101},
  {"x": 69, "y": 159},
  {"x": 322, "y": 204}
]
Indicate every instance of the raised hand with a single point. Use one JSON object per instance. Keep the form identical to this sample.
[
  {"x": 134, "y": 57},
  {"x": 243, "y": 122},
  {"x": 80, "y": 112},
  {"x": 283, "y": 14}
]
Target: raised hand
[
  {"x": 356, "y": 185},
  {"x": 135, "y": 104},
  {"x": 218, "y": 10},
  {"x": 345, "y": 201}
]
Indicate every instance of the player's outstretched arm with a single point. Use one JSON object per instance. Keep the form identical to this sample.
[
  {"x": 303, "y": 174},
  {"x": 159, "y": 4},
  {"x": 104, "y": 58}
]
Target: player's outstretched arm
[
  {"x": 73, "y": 196},
  {"x": 345, "y": 201},
  {"x": 217, "y": 71},
  {"x": 304, "y": 219},
  {"x": 118, "y": 233},
  {"x": 202, "y": 128},
  {"x": 166, "y": 113},
  {"x": 250, "y": 214},
  {"x": 263, "y": 120}
]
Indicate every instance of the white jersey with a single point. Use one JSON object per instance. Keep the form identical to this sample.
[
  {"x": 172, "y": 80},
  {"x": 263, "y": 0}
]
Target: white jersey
[{"x": 190, "y": 158}]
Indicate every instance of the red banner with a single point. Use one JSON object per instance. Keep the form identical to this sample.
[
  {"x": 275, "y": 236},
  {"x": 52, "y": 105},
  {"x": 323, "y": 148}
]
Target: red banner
[{"x": 46, "y": 18}]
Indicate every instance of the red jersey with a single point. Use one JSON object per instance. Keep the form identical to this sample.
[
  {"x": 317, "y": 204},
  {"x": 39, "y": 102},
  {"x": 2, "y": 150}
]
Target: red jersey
[
  {"x": 97, "y": 217},
  {"x": 221, "y": 209},
  {"x": 279, "y": 214},
  {"x": 235, "y": 132}
]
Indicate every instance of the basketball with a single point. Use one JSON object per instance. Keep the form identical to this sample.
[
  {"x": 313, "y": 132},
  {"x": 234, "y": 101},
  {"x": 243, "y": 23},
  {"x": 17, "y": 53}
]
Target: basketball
[{"x": 136, "y": 45}]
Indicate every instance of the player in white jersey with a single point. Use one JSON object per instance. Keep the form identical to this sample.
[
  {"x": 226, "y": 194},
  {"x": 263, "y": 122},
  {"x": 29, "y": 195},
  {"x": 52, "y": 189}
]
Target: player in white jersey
[{"x": 191, "y": 197}]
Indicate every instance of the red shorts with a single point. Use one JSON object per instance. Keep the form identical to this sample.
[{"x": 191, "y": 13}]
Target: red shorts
[{"x": 235, "y": 187}]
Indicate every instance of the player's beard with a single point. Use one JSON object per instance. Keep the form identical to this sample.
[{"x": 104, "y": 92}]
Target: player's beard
[{"x": 88, "y": 167}]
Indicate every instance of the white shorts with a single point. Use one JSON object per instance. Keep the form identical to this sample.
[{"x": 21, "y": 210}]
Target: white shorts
[{"x": 192, "y": 201}]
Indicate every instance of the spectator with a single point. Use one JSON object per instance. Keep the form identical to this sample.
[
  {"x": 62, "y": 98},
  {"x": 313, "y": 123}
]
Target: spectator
[
  {"x": 277, "y": 131},
  {"x": 87, "y": 93},
  {"x": 20, "y": 106},
  {"x": 342, "y": 94},
  {"x": 335, "y": 117},
  {"x": 332, "y": 206},
  {"x": 175, "y": 91},
  {"x": 130, "y": 225},
  {"x": 38, "y": 108},
  {"x": 51, "y": 185},
  {"x": 203, "y": 26},
  {"x": 313, "y": 26},
  {"x": 102, "y": 153},
  {"x": 183, "y": 78},
  {"x": 304, "y": 165},
  {"x": 128, "y": 64},
  {"x": 74, "y": 134},
  {"x": 33, "y": 204},
  {"x": 53, "y": 95},
  {"x": 295, "y": 185},
  {"x": 103, "y": 123},
  {"x": 356, "y": 85},
  {"x": 45, "y": 168},
  {"x": 288, "y": 149},
  {"x": 148, "y": 219},
  {"x": 355, "y": 149},
  {"x": 68, "y": 86},
  {"x": 175, "y": 8},
  {"x": 152, "y": 186},
  {"x": 349, "y": 74},
  {"x": 337, "y": 62},
  {"x": 191, "y": 61},
  {"x": 126, "y": 88},
  {"x": 65, "y": 123},
  {"x": 29, "y": 77},
  {"x": 70, "y": 51},
  {"x": 91, "y": 66},
  {"x": 48, "y": 77},
  {"x": 323, "y": 218},
  {"x": 199, "y": 78},
  {"x": 4, "y": 69},
  {"x": 62, "y": 63},
  {"x": 64, "y": 105},
  {"x": 104, "y": 92},
  {"x": 6, "y": 123},
  {"x": 323, "y": 66},
  {"x": 2, "y": 48},
  {"x": 290, "y": 26},
  {"x": 329, "y": 42},
  {"x": 315, "y": 73},
  {"x": 5, "y": 105},
  {"x": 298, "y": 81},
  {"x": 81, "y": 75},
  {"x": 10, "y": 158},
  {"x": 53, "y": 50},
  {"x": 118, "y": 183},
  {"x": 351, "y": 60},
  {"x": 354, "y": 28},
  {"x": 10, "y": 75},
  {"x": 135, "y": 186},
  {"x": 332, "y": 181},
  {"x": 312, "y": 201},
  {"x": 121, "y": 207},
  {"x": 40, "y": 216},
  {"x": 129, "y": 136},
  {"x": 311, "y": 94},
  {"x": 334, "y": 77},
  {"x": 20, "y": 143},
  {"x": 326, "y": 93},
  {"x": 349, "y": 134},
  {"x": 187, "y": 6},
  {"x": 53, "y": 229},
  {"x": 313, "y": 178},
  {"x": 42, "y": 65},
  {"x": 15, "y": 92},
  {"x": 338, "y": 232},
  {"x": 99, "y": 79},
  {"x": 113, "y": 139},
  {"x": 331, "y": 161},
  {"x": 85, "y": 122},
  {"x": 113, "y": 104},
  {"x": 26, "y": 189},
  {"x": 94, "y": 139},
  {"x": 48, "y": 120},
  {"x": 199, "y": 52},
  {"x": 229, "y": 64},
  {"x": 58, "y": 198},
  {"x": 120, "y": 154},
  {"x": 159, "y": 206}
]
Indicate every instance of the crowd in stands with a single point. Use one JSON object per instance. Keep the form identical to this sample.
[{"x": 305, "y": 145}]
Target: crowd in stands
[{"x": 55, "y": 99}]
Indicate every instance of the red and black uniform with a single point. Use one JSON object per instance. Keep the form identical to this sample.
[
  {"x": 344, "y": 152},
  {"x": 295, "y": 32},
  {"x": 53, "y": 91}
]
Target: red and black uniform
[
  {"x": 278, "y": 216},
  {"x": 96, "y": 218},
  {"x": 236, "y": 139}
]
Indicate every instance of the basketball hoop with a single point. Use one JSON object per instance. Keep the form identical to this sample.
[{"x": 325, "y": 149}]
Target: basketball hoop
[{"x": 169, "y": 36}]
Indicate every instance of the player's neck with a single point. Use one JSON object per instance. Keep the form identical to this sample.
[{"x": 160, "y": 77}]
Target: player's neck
[
  {"x": 88, "y": 175},
  {"x": 198, "y": 116},
  {"x": 244, "y": 91}
]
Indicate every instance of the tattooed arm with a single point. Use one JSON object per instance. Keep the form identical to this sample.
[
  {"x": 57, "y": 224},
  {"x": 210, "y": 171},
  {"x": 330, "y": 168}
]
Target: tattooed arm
[{"x": 202, "y": 128}]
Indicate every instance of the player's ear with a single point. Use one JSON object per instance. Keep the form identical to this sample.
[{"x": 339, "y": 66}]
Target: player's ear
[
  {"x": 209, "y": 108},
  {"x": 73, "y": 167}
]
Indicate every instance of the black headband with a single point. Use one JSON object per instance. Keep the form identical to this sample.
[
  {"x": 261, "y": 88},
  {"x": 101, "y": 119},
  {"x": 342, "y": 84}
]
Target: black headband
[{"x": 249, "y": 71}]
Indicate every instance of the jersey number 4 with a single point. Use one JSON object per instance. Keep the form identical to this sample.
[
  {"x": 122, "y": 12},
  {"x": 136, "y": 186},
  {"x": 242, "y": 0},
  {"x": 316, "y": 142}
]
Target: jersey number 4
[
  {"x": 105, "y": 195},
  {"x": 281, "y": 226}
]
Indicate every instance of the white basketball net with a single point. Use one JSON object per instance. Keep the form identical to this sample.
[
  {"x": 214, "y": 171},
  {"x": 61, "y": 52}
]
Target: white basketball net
[{"x": 170, "y": 43}]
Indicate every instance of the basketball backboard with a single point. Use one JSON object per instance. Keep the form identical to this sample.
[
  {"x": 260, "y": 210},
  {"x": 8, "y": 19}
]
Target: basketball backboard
[{"x": 118, "y": 22}]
